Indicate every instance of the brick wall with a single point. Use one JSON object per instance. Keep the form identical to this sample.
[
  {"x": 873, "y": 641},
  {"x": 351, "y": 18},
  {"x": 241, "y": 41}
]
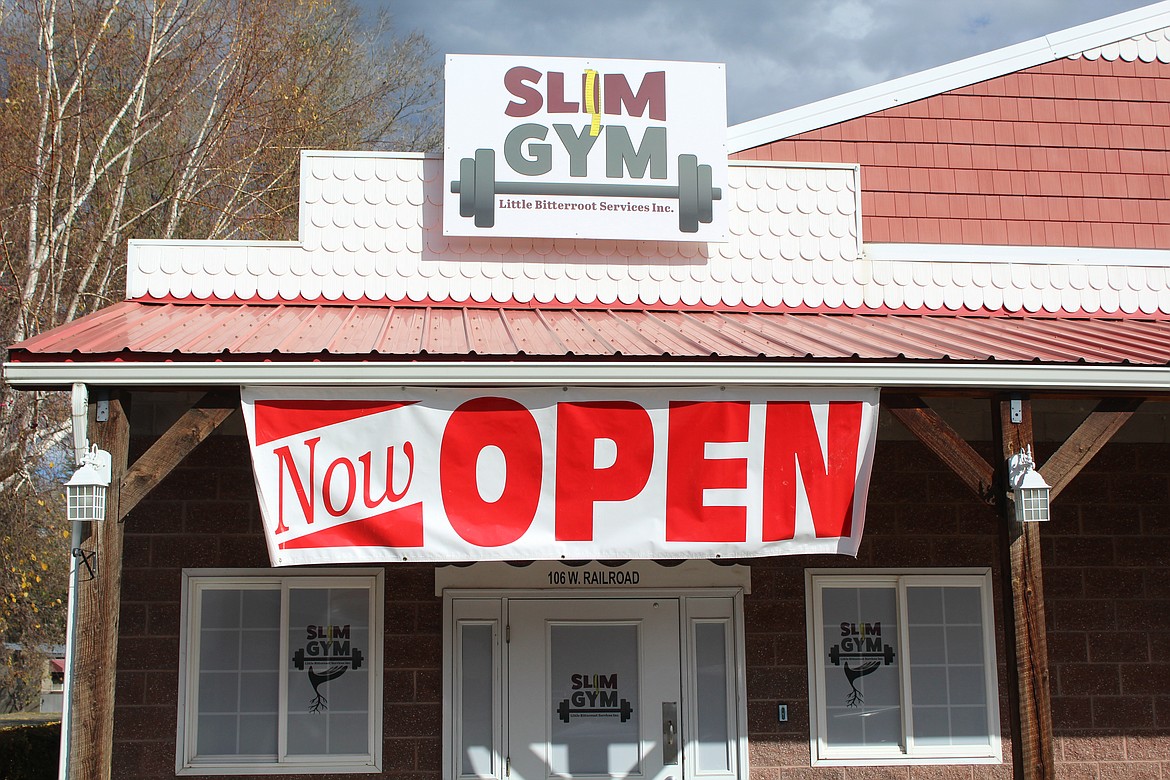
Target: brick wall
[
  {"x": 1107, "y": 584},
  {"x": 1106, "y": 556},
  {"x": 205, "y": 515}
]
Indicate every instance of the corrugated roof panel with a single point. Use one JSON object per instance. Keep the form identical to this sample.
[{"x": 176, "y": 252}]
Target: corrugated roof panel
[
  {"x": 575, "y": 333},
  {"x": 446, "y": 332},
  {"x": 132, "y": 330},
  {"x": 708, "y": 339},
  {"x": 488, "y": 333},
  {"x": 402, "y": 332},
  {"x": 532, "y": 334},
  {"x": 618, "y": 334}
]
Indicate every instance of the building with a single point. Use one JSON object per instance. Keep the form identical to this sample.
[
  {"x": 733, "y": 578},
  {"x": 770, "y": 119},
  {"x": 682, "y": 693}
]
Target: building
[{"x": 982, "y": 247}]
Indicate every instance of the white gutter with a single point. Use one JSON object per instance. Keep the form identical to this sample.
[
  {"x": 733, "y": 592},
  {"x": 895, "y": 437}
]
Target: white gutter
[{"x": 1072, "y": 377}]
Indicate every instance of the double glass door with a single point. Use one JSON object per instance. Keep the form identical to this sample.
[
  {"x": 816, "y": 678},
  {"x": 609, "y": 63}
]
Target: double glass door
[{"x": 545, "y": 687}]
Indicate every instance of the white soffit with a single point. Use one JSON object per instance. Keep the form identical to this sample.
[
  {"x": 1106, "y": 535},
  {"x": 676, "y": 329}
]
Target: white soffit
[{"x": 1093, "y": 39}]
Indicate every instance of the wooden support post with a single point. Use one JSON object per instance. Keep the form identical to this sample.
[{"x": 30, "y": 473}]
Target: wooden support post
[
  {"x": 1033, "y": 749},
  {"x": 95, "y": 657}
]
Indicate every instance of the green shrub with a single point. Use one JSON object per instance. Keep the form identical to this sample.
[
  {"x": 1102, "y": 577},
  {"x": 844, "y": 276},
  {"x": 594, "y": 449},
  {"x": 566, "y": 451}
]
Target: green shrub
[{"x": 30, "y": 752}]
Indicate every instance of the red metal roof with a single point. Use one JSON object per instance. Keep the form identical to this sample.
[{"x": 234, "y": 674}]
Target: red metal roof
[{"x": 130, "y": 331}]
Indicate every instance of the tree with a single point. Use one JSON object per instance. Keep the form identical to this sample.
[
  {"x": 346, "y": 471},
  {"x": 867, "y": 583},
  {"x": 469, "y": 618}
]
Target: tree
[{"x": 168, "y": 119}]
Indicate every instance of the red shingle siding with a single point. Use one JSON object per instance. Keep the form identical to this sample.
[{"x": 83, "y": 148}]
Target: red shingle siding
[{"x": 1070, "y": 153}]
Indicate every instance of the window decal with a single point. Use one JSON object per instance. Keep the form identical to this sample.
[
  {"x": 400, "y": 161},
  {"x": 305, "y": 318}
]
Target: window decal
[
  {"x": 861, "y": 644},
  {"x": 325, "y": 656},
  {"x": 594, "y": 696}
]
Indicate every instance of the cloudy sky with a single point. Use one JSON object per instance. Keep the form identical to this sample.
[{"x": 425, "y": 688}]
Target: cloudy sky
[{"x": 779, "y": 53}]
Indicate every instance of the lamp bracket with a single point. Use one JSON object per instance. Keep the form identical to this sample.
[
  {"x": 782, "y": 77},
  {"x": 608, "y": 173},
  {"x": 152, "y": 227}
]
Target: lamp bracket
[{"x": 88, "y": 559}]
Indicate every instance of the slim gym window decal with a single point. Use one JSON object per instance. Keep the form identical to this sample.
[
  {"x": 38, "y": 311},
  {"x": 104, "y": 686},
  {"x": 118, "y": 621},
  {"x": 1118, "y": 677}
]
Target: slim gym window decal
[
  {"x": 860, "y": 652},
  {"x": 594, "y": 696},
  {"x": 326, "y": 655}
]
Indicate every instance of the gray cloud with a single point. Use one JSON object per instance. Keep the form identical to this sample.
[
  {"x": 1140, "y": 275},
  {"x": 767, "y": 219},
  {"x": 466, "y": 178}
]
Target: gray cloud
[{"x": 779, "y": 53}]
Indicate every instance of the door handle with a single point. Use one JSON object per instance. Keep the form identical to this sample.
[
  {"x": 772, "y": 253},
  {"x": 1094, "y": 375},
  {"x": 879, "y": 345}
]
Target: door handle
[{"x": 669, "y": 732}]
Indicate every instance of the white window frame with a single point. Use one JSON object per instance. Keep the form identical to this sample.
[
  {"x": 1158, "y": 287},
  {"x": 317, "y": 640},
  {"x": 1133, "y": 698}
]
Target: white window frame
[
  {"x": 907, "y": 753},
  {"x": 197, "y": 581}
]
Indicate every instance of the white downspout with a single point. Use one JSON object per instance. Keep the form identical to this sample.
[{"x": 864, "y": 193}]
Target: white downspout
[
  {"x": 70, "y": 641},
  {"x": 80, "y": 410}
]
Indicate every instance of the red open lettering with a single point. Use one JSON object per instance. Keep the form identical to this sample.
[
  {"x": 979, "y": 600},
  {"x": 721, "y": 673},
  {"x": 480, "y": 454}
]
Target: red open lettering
[
  {"x": 689, "y": 472},
  {"x": 480, "y": 423},
  {"x": 579, "y": 483},
  {"x": 791, "y": 448}
]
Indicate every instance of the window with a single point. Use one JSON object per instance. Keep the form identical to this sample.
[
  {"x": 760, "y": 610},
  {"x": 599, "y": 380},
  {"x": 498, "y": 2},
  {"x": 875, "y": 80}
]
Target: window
[
  {"x": 280, "y": 673},
  {"x": 902, "y": 668}
]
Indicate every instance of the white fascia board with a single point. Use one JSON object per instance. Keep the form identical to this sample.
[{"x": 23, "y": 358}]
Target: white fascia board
[
  {"x": 955, "y": 75},
  {"x": 1021, "y": 255},
  {"x": 983, "y": 376}
]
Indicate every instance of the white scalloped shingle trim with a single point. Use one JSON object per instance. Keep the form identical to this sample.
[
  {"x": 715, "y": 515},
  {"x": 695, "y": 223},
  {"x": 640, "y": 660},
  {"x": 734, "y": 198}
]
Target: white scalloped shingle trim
[
  {"x": 370, "y": 216},
  {"x": 793, "y": 242},
  {"x": 1151, "y": 46}
]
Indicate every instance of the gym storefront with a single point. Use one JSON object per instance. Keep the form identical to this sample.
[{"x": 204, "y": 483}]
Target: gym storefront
[{"x": 461, "y": 486}]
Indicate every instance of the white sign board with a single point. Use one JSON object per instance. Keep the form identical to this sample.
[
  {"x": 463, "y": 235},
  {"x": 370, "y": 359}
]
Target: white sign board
[
  {"x": 559, "y": 147},
  {"x": 551, "y": 473}
]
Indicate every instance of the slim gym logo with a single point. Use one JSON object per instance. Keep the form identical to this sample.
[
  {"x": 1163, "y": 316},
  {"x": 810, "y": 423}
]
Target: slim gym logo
[
  {"x": 326, "y": 655},
  {"x": 594, "y": 696},
  {"x": 860, "y": 652},
  {"x": 529, "y": 154}
]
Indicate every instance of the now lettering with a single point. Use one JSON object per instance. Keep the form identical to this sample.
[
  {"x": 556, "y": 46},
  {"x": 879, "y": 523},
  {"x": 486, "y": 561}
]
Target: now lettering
[{"x": 341, "y": 470}]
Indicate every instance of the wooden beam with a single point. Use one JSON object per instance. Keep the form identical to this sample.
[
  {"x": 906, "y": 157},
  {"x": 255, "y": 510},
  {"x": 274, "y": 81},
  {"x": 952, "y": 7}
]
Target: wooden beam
[
  {"x": 941, "y": 439},
  {"x": 95, "y": 656},
  {"x": 1086, "y": 441},
  {"x": 1032, "y": 746},
  {"x": 169, "y": 450}
]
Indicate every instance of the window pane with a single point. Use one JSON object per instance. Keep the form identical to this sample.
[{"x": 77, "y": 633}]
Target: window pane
[
  {"x": 328, "y": 673},
  {"x": 476, "y": 699},
  {"x": 948, "y": 682},
  {"x": 238, "y": 672},
  {"x": 713, "y": 727},
  {"x": 595, "y": 707},
  {"x": 863, "y": 700}
]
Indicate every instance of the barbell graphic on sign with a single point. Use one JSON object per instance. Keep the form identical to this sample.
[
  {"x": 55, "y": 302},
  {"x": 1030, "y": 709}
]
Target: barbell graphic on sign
[
  {"x": 354, "y": 659},
  {"x": 624, "y": 711},
  {"x": 836, "y": 656},
  {"x": 477, "y": 189}
]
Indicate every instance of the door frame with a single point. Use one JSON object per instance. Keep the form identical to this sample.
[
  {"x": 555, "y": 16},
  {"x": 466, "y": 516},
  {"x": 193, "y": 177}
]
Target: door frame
[{"x": 707, "y": 592}]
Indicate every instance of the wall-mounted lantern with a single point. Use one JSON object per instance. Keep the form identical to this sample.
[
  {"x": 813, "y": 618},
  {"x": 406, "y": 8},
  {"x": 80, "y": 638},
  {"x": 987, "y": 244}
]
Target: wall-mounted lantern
[
  {"x": 1030, "y": 491},
  {"x": 86, "y": 489}
]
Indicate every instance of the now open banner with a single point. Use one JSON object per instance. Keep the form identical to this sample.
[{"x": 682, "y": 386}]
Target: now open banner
[{"x": 444, "y": 474}]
